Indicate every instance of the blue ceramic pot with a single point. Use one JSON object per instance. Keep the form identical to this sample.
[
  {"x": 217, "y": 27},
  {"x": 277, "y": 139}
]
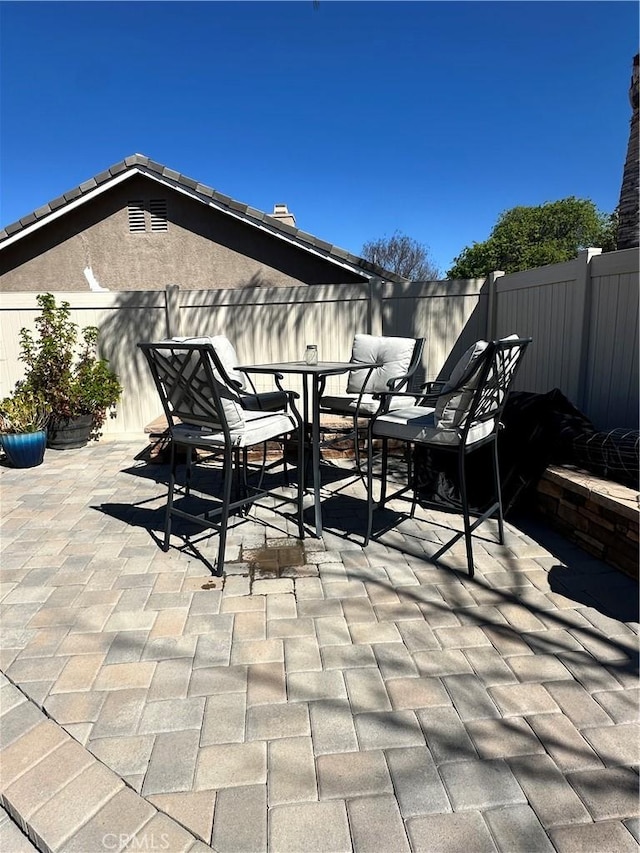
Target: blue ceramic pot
[{"x": 25, "y": 449}]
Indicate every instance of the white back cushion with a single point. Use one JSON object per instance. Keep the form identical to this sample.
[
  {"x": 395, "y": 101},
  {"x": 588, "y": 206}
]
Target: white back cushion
[
  {"x": 452, "y": 407},
  {"x": 225, "y": 352},
  {"x": 232, "y": 409},
  {"x": 394, "y": 353}
]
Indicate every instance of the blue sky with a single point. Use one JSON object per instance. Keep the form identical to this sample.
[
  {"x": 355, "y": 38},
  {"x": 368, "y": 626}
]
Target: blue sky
[{"x": 430, "y": 118}]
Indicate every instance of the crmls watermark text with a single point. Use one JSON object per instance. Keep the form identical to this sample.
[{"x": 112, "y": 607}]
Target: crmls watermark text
[{"x": 147, "y": 841}]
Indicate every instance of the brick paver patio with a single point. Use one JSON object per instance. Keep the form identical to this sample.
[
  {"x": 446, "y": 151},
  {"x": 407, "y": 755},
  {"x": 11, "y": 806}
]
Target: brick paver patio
[{"x": 324, "y": 698}]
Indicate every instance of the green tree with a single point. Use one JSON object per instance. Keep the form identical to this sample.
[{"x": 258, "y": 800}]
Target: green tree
[
  {"x": 402, "y": 255},
  {"x": 528, "y": 237}
]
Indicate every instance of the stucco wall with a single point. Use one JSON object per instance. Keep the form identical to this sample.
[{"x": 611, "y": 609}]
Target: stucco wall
[{"x": 201, "y": 249}]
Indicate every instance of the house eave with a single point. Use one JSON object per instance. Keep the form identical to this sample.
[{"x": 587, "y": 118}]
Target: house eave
[
  {"x": 141, "y": 165},
  {"x": 68, "y": 206}
]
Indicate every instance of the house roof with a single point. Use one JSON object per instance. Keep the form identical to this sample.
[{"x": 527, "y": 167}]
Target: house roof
[{"x": 142, "y": 165}]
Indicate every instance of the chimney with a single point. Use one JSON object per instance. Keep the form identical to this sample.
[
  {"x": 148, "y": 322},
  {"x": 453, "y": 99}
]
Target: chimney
[{"x": 281, "y": 212}]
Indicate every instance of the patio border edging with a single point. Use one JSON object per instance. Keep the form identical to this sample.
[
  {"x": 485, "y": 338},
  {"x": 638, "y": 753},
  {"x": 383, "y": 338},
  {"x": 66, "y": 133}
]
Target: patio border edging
[{"x": 37, "y": 746}]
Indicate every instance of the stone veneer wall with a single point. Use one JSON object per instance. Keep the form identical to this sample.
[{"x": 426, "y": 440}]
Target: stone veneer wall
[{"x": 599, "y": 515}]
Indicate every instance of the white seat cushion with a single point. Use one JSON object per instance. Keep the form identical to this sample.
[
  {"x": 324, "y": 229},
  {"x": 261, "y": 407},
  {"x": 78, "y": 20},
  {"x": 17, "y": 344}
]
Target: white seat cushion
[
  {"x": 417, "y": 423},
  {"x": 258, "y": 427},
  {"x": 347, "y": 403},
  {"x": 394, "y": 353}
]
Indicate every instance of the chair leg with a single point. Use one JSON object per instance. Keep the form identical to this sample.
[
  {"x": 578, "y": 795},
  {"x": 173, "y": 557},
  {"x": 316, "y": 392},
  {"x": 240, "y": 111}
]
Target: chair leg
[
  {"x": 356, "y": 444},
  {"x": 412, "y": 479},
  {"x": 383, "y": 483},
  {"x": 496, "y": 480},
  {"x": 367, "y": 535},
  {"x": 369, "y": 484},
  {"x": 263, "y": 467},
  {"x": 244, "y": 486},
  {"x": 285, "y": 467},
  {"x": 172, "y": 483},
  {"x": 300, "y": 496},
  {"x": 465, "y": 512},
  {"x": 189, "y": 463},
  {"x": 229, "y": 470},
  {"x": 383, "y": 470}
]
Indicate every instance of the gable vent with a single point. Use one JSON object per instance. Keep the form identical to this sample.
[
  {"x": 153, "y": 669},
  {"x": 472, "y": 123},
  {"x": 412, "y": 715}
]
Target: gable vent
[
  {"x": 158, "y": 211},
  {"x": 136, "y": 216}
]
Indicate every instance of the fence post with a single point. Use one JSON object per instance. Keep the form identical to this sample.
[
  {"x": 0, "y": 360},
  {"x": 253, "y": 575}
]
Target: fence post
[
  {"x": 375, "y": 306},
  {"x": 583, "y": 282},
  {"x": 172, "y": 303},
  {"x": 492, "y": 309}
]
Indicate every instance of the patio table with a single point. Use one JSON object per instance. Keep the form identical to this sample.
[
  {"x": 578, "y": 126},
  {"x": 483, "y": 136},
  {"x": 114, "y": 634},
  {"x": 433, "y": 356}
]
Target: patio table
[{"x": 312, "y": 374}]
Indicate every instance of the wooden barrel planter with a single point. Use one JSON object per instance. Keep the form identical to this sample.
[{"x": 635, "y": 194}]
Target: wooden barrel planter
[{"x": 69, "y": 433}]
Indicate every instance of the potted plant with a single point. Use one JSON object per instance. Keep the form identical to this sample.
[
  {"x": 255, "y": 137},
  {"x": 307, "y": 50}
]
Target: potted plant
[
  {"x": 63, "y": 367},
  {"x": 23, "y": 428}
]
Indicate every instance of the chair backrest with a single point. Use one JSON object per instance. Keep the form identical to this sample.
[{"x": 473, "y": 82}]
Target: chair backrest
[
  {"x": 477, "y": 390},
  {"x": 227, "y": 355},
  {"x": 187, "y": 378},
  {"x": 398, "y": 357}
]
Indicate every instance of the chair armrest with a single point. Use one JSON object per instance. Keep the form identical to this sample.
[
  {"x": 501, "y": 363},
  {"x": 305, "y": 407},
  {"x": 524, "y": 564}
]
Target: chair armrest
[
  {"x": 415, "y": 398},
  {"x": 381, "y": 395},
  {"x": 397, "y": 382},
  {"x": 291, "y": 395},
  {"x": 434, "y": 387},
  {"x": 249, "y": 380},
  {"x": 278, "y": 377},
  {"x": 385, "y": 398}
]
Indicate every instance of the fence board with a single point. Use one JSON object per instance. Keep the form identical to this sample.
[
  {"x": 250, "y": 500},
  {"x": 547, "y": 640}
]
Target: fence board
[
  {"x": 544, "y": 304},
  {"x": 612, "y": 390}
]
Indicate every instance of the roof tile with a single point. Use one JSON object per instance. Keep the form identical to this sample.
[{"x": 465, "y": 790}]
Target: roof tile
[
  {"x": 171, "y": 174},
  {"x": 203, "y": 189},
  {"x": 304, "y": 235},
  {"x": 283, "y": 226},
  {"x": 103, "y": 176},
  {"x": 117, "y": 168},
  {"x": 72, "y": 194},
  {"x": 341, "y": 253},
  {"x": 222, "y": 198},
  {"x": 57, "y": 202},
  {"x": 87, "y": 185}
]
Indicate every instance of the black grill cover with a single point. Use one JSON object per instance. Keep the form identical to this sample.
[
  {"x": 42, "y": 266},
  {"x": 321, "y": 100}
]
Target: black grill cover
[{"x": 539, "y": 430}]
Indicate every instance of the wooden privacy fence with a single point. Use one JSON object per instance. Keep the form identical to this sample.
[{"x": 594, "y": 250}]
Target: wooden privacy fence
[{"x": 582, "y": 315}]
